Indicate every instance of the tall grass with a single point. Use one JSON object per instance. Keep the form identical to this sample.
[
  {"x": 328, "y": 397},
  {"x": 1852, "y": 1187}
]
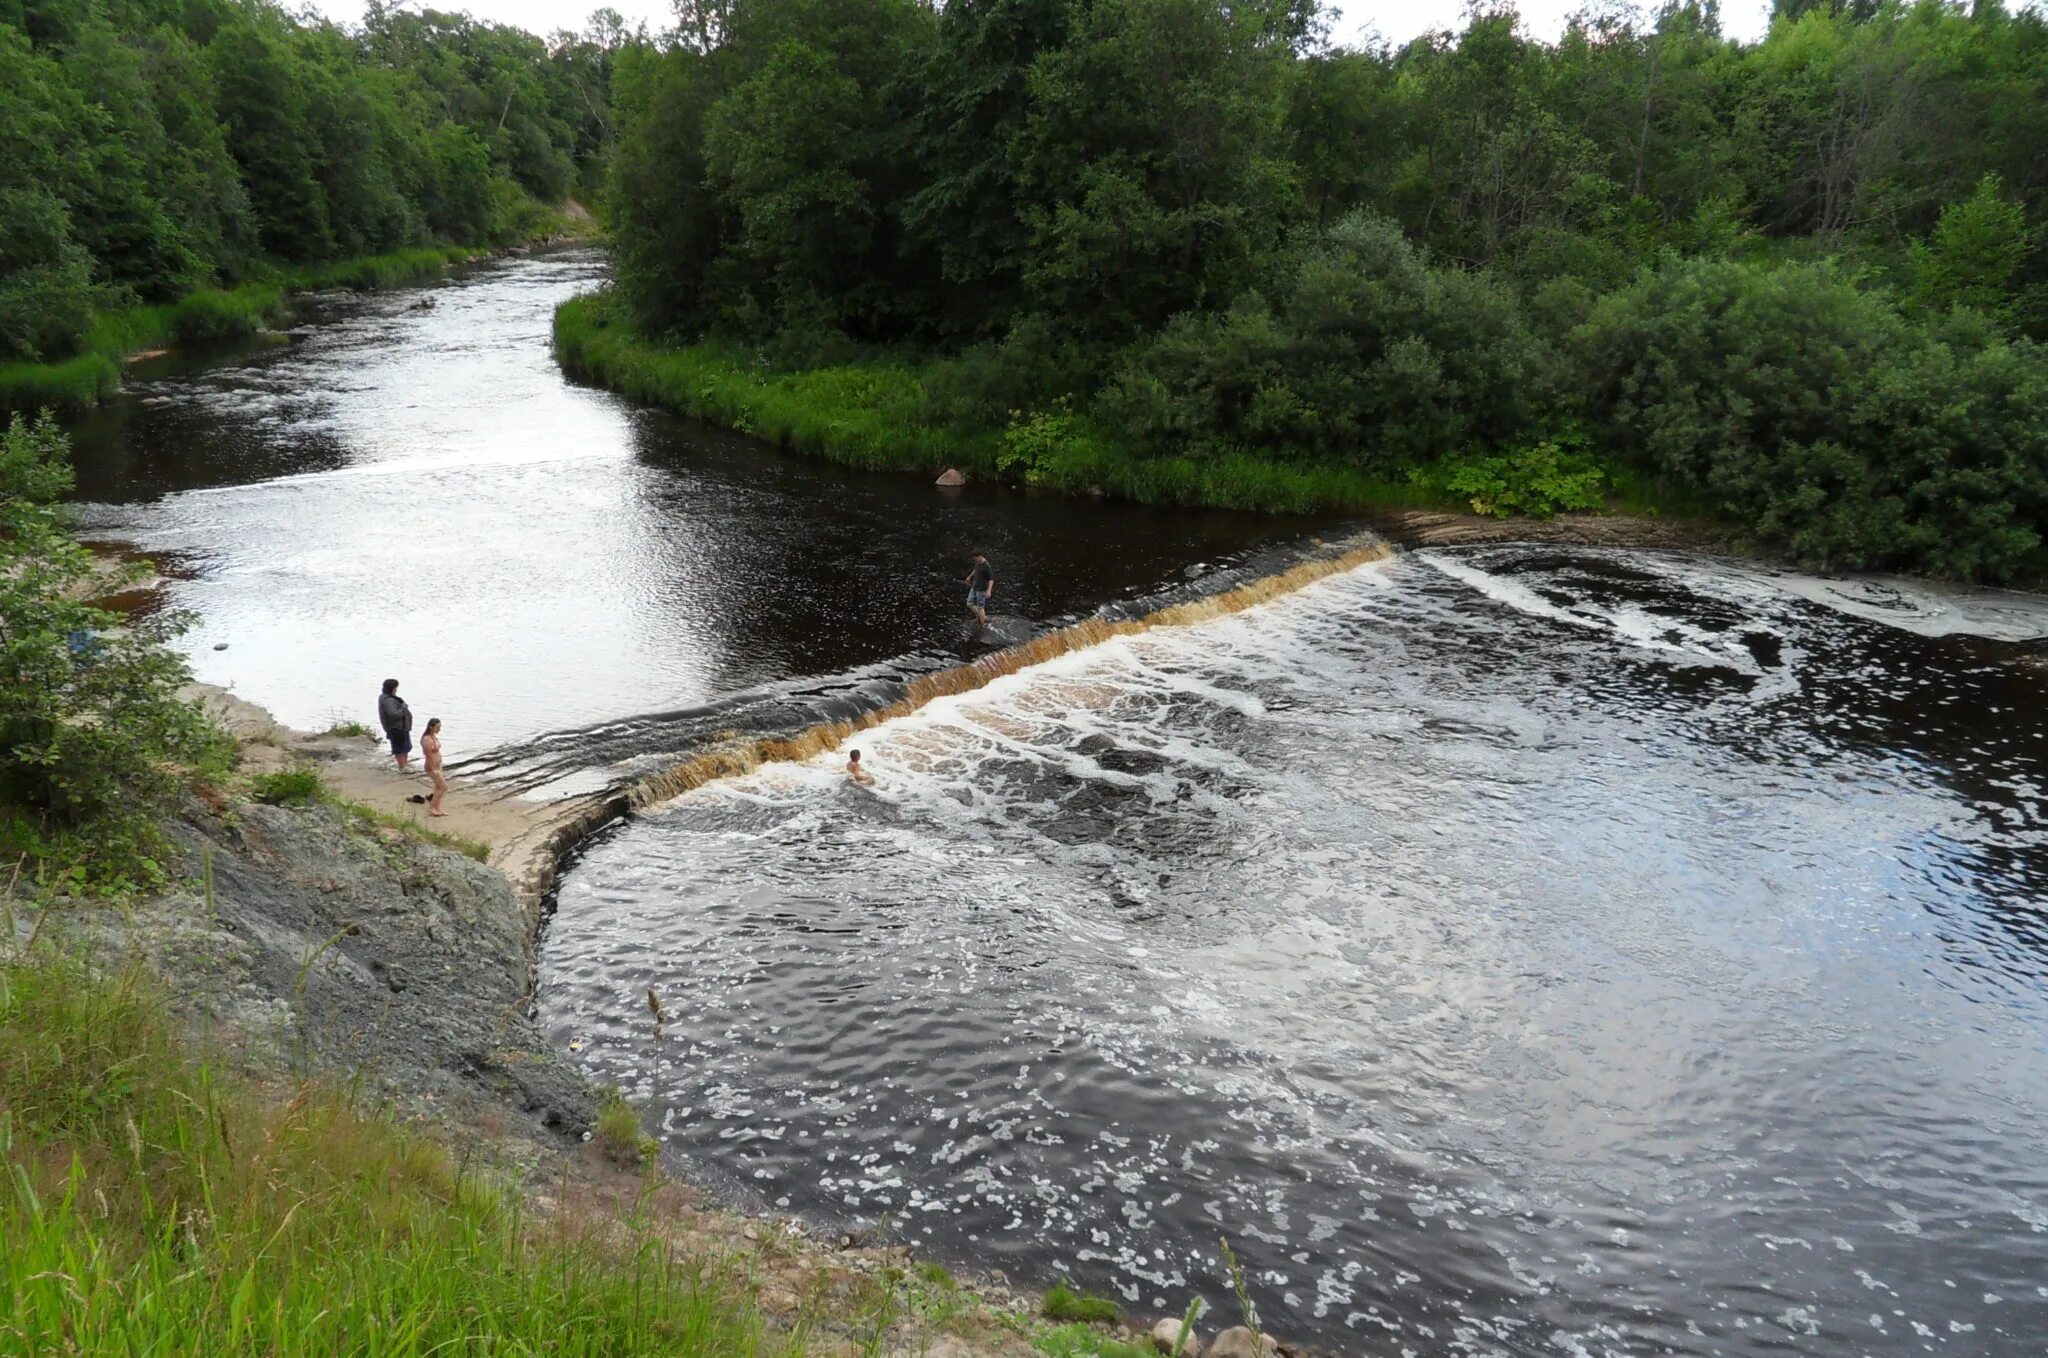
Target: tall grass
[
  {"x": 94, "y": 373},
  {"x": 149, "y": 1206},
  {"x": 380, "y": 271}
]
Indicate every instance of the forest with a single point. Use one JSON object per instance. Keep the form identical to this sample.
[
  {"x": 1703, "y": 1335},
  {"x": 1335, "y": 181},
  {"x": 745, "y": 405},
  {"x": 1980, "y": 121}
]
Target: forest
[
  {"x": 1189, "y": 250},
  {"x": 164, "y": 162}
]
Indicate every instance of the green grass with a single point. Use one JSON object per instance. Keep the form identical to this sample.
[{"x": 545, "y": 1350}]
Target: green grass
[
  {"x": 1079, "y": 1341},
  {"x": 94, "y": 373},
  {"x": 409, "y": 826},
  {"x": 618, "y": 1134},
  {"x": 151, "y": 1206},
  {"x": 867, "y": 415},
  {"x": 347, "y": 730},
  {"x": 1065, "y": 1304},
  {"x": 380, "y": 271}
]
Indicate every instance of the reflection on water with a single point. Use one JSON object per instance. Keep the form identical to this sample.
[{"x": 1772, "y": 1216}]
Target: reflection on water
[
  {"x": 412, "y": 488},
  {"x": 1512, "y": 951}
]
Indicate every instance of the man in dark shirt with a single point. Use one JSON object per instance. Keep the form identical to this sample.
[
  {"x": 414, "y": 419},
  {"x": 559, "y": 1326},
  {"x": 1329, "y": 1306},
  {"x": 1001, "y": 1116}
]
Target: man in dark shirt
[
  {"x": 981, "y": 583},
  {"x": 396, "y": 719}
]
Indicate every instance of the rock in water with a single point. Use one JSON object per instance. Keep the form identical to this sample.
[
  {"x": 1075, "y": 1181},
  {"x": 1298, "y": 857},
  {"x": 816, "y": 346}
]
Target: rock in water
[
  {"x": 1239, "y": 1342},
  {"x": 952, "y": 477},
  {"x": 1166, "y": 1331}
]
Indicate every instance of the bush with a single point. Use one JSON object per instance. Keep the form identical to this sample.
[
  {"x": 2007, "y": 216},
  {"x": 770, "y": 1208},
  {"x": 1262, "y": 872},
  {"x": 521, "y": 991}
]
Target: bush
[
  {"x": 94, "y": 740},
  {"x": 1815, "y": 411},
  {"x": 1538, "y": 479},
  {"x": 288, "y": 787},
  {"x": 1369, "y": 356}
]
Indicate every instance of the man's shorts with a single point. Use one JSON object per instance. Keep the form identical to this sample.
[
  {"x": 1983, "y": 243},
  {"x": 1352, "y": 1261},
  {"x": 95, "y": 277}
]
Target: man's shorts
[
  {"x": 401, "y": 742},
  {"x": 977, "y": 598}
]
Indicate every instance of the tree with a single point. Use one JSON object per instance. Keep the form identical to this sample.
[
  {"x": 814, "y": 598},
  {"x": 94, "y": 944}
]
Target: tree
[
  {"x": 1152, "y": 159},
  {"x": 1974, "y": 254}
]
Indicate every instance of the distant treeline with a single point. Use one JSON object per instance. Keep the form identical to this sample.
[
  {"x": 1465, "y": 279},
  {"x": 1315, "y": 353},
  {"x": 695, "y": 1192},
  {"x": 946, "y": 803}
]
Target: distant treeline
[
  {"x": 153, "y": 148},
  {"x": 1800, "y": 281}
]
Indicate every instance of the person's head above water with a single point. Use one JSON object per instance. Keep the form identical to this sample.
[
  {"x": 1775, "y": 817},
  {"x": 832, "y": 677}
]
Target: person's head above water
[
  {"x": 391, "y": 686},
  {"x": 433, "y": 725},
  {"x": 853, "y": 757}
]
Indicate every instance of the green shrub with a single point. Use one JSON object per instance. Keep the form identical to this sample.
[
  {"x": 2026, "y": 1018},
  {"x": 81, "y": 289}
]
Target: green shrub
[
  {"x": 94, "y": 739},
  {"x": 1367, "y": 355},
  {"x": 1538, "y": 480},
  {"x": 618, "y": 1134},
  {"x": 1815, "y": 412},
  {"x": 287, "y": 787},
  {"x": 1063, "y": 1303}
]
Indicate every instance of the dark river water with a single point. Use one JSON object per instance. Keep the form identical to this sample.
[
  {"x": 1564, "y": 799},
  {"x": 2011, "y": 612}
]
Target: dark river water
[
  {"x": 1509, "y": 950},
  {"x": 412, "y": 489}
]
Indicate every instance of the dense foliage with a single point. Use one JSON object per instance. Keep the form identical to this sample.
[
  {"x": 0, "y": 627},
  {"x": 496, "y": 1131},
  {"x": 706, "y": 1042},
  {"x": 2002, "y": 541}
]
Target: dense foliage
[
  {"x": 151, "y": 148},
  {"x": 94, "y": 739},
  {"x": 1803, "y": 280}
]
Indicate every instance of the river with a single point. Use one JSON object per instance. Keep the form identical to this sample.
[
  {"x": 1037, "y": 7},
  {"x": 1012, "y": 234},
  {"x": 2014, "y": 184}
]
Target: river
[{"x": 1509, "y": 950}]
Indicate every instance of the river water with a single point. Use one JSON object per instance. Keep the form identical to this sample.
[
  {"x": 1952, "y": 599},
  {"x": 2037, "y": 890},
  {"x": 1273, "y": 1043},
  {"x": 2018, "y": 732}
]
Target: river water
[
  {"x": 411, "y": 488},
  {"x": 1509, "y": 950}
]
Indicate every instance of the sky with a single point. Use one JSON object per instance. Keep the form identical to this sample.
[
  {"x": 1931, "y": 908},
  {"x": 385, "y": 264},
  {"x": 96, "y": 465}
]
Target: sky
[{"x": 1393, "y": 20}]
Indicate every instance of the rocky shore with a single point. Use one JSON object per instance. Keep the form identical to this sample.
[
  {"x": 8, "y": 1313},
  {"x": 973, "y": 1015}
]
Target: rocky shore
[{"x": 309, "y": 942}]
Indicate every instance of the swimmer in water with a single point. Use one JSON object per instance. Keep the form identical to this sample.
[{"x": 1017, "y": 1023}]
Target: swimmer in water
[{"x": 855, "y": 771}]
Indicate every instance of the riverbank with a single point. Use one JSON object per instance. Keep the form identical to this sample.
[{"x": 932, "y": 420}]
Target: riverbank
[
  {"x": 213, "y": 315},
  {"x": 879, "y": 416},
  {"x": 330, "y": 979}
]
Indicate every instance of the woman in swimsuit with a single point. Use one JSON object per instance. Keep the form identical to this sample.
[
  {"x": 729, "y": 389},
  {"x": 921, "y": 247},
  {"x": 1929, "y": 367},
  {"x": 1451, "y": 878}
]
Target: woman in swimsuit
[{"x": 430, "y": 746}]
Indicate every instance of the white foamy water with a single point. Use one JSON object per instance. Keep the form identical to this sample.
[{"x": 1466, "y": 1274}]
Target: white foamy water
[{"x": 1511, "y": 951}]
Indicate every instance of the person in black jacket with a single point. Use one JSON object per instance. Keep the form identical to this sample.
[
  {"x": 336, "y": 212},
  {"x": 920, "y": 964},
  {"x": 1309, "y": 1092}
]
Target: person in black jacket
[{"x": 396, "y": 719}]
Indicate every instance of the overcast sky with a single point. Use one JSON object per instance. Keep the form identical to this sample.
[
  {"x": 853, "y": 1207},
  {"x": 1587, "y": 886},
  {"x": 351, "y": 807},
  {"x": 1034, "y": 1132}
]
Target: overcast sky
[{"x": 1393, "y": 20}]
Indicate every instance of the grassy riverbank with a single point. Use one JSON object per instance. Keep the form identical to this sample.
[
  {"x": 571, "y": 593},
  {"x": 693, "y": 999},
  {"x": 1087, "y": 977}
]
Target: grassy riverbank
[
  {"x": 878, "y": 414},
  {"x": 213, "y": 314},
  {"x": 155, "y": 1205}
]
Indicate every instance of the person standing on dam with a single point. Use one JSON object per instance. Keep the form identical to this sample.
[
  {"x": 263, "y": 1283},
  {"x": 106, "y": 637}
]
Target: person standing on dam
[{"x": 981, "y": 585}]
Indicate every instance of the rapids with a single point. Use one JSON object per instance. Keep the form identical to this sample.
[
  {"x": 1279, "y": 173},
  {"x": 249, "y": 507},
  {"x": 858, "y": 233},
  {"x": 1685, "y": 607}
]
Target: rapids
[{"x": 1509, "y": 950}]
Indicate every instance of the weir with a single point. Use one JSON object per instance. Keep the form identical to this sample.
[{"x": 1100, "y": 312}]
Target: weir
[{"x": 736, "y": 758}]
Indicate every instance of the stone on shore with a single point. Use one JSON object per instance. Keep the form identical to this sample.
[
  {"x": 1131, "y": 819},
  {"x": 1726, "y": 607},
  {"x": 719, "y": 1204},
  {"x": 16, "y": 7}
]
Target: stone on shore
[
  {"x": 1166, "y": 1331},
  {"x": 1240, "y": 1342},
  {"x": 952, "y": 476}
]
